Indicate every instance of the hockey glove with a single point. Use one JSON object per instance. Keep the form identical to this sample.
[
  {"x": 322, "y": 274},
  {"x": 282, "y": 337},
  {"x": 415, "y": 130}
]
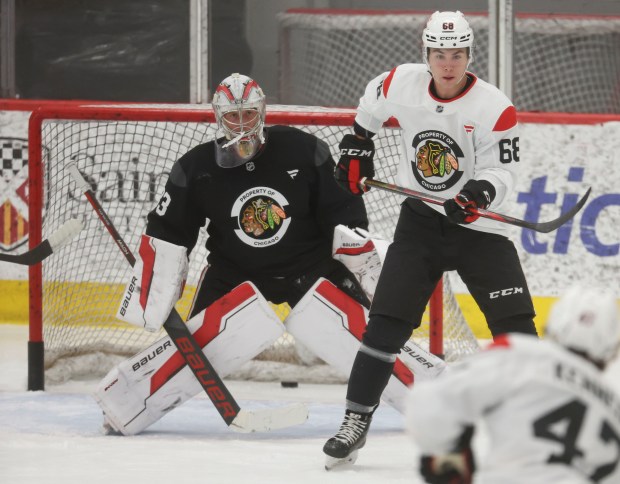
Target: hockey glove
[
  {"x": 355, "y": 163},
  {"x": 455, "y": 468},
  {"x": 475, "y": 194}
]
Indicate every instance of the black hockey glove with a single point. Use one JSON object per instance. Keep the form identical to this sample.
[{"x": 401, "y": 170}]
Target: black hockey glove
[
  {"x": 454, "y": 468},
  {"x": 475, "y": 194},
  {"x": 355, "y": 163},
  {"x": 448, "y": 469}
]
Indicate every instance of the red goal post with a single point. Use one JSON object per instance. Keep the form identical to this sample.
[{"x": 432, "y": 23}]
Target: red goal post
[{"x": 125, "y": 152}]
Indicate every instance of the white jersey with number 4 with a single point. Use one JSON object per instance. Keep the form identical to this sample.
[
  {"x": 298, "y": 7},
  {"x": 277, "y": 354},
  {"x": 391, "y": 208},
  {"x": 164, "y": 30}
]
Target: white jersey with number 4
[
  {"x": 445, "y": 143},
  {"x": 550, "y": 416}
]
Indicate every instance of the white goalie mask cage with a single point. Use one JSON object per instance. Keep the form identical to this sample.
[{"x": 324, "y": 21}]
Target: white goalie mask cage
[
  {"x": 586, "y": 320},
  {"x": 242, "y": 131},
  {"x": 447, "y": 30}
]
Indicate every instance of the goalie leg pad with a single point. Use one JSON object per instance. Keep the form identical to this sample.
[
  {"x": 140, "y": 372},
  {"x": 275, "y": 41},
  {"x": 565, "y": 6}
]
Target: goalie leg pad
[
  {"x": 232, "y": 330},
  {"x": 331, "y": 324}
]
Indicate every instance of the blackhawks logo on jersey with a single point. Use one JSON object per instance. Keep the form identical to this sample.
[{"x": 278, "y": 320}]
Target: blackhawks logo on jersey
[
  {"x": 436, "y": 165},
  {"x": 261, "y": 217}
]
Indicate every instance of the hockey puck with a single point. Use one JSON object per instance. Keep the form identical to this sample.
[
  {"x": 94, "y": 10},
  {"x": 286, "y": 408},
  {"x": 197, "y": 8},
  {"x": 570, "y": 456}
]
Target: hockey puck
[{"x": 289, "y": 384}]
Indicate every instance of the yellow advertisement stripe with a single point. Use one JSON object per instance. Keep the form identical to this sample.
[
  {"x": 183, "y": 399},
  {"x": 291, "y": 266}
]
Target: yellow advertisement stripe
[
  {"x": 477, "y": 323},
  {"x": 77, "y": 302},
  {"x": 102, "y": 297}
]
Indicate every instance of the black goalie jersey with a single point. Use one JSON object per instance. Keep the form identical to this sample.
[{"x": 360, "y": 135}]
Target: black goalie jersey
[{"x": 272, "y": 216}]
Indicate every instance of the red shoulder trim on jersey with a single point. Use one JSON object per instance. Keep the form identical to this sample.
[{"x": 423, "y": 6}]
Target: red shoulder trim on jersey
[
  {"x": 507, "y": 120},
  {"x": 500, "y": 341},
  {"x": 387, "y": 81}
]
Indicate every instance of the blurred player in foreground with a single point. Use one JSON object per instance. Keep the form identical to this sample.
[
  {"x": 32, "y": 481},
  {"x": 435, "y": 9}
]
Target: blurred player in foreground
[
  {"x": 460, "y": 140},
  {"x": 275, "y": 217},
  {"x": 549, "y": 414}
]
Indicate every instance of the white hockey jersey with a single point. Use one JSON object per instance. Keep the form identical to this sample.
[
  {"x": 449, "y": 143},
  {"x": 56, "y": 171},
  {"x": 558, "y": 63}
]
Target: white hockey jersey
[
  {"x": 445, "y": 143},
  {"x": 549, "y": 414}
]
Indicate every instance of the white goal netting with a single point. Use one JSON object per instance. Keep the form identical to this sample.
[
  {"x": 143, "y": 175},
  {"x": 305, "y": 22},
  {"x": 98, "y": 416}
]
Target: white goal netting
[
  {"x": 560, "y": 63},
  {"x": 126, "y": 158}
]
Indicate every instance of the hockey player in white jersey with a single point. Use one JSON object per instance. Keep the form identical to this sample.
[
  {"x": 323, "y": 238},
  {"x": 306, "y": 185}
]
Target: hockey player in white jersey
[
  {"x": 460, "y": 140},
  {"x": 549, "y": 414}
]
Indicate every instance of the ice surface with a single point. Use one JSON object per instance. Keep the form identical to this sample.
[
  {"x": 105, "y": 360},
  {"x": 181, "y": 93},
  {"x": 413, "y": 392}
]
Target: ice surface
[{"x": 54, "y": 437}]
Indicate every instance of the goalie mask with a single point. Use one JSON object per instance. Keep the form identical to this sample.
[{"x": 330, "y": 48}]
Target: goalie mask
[
  {"x": 239, "y": 105},
  {"x": 447, "y": 30}
]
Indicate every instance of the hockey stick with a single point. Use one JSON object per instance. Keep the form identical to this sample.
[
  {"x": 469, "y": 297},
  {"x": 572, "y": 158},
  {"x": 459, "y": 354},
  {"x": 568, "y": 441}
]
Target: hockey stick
[
  {"x": 236, "y": 418},
  {"x": 543, "y": 227},
  {"x": 60, "y": 237}
]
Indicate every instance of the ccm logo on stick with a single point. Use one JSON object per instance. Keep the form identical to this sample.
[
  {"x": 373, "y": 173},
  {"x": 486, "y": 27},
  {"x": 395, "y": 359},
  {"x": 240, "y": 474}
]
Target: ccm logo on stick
[{"x": 505, "y": 292}]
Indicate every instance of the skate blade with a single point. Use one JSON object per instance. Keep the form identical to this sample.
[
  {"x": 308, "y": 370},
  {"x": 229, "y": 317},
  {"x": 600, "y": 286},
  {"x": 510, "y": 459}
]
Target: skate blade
[{"x": 332, "y": 463}]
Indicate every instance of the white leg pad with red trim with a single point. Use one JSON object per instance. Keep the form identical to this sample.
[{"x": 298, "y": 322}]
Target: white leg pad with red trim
[
  {"x": 142, "y": 389},
  {"x": 331, "y": 324}
]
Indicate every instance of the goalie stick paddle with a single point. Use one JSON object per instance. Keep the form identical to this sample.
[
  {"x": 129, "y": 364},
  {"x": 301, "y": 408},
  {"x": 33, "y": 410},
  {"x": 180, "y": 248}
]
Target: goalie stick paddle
[
  {"x": 236, "y": 418},
  {"x": 53, "y": 243},
  {"x": 544, "y": 227}
]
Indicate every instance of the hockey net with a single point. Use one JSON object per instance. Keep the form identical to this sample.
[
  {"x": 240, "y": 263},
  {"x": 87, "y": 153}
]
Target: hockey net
[
  {"x": 126, "y": 153},
  {"x": 560, "y": 63}
]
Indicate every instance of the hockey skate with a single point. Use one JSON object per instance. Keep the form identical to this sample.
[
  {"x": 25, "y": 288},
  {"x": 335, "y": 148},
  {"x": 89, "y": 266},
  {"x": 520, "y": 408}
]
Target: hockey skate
[{"x": 342, "y": 448}]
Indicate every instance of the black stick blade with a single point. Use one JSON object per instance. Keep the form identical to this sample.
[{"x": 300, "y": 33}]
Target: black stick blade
[{"x": 543, "y": 227}]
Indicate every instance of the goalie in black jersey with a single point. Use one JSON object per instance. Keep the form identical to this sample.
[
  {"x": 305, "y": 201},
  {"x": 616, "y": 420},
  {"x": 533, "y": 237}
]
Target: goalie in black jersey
[
  {"x": 275, "y": 218},
  {"x": 271, "y": 202}
]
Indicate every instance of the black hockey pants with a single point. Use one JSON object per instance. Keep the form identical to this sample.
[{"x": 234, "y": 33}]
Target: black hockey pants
[
  {"x": 425, "y": 245},
  {"x": 218, "y": 281}
]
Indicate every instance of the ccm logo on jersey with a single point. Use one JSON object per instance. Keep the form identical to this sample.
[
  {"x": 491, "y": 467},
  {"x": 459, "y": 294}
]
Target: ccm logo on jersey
[
  {"x": 157, "y": 351},
  {"x": 355, "y": 152},
  {"x": 130, "y": 290},
  {"x": 506, "y": 292}
]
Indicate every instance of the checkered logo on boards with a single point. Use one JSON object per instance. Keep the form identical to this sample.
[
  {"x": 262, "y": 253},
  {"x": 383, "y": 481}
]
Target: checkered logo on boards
[{"x": 13, "y": 193}]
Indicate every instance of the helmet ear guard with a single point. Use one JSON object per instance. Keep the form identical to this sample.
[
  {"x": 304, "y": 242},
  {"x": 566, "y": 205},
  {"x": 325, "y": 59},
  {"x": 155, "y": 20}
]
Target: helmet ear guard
[
  {"x": 447, "y": 30},
  {"x": 244, "y": 137}
]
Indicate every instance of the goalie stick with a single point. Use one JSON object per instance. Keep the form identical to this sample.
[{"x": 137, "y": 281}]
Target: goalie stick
[
  {"x": 544, "y": 227},
  {"x": 236, "y": 418},
  {"x": 53, "y": 243}
]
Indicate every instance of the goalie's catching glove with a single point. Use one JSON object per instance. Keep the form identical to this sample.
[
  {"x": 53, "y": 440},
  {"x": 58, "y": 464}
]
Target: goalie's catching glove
[
  {"x": 475, "y": 194},
  {"x": 355, "y": 163}
]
